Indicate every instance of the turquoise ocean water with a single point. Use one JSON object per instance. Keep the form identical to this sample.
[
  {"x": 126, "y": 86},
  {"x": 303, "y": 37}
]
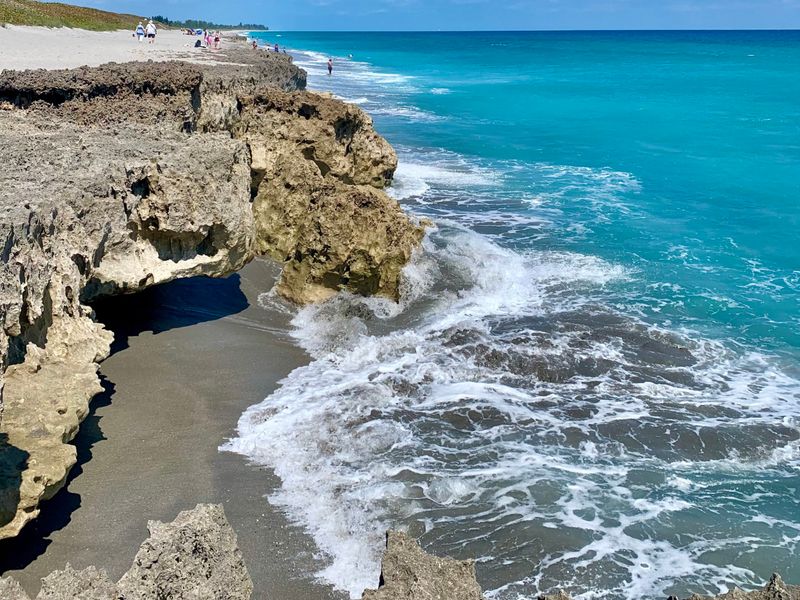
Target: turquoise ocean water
[{"x": 593, "y": 379}]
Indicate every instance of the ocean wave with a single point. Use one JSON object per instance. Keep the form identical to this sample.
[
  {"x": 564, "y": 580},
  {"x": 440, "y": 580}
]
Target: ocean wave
[
  {"x": 520, "y": 406},
  {"x": 417, "y": 175},
  {"x": 412, "y": 113},
  {"x": 502, "y": 401},
  {"x": 357, "y": 74},
  {"x": 511, "y": 200}
]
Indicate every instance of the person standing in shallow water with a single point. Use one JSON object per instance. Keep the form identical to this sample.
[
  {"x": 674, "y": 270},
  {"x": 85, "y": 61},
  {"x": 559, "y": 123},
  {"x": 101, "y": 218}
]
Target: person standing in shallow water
[{"x": 330, "y": 67}]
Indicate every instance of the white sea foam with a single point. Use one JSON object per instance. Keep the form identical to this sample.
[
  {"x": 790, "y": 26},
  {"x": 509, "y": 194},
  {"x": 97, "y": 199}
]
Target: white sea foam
[
  {"x": 360, "y": 101},
  {"x": 391, "y": 421},
  {"x": 416, "y": 178},
  {"x": 411, "y": 113},
  {"x": 506, "y": 405}
]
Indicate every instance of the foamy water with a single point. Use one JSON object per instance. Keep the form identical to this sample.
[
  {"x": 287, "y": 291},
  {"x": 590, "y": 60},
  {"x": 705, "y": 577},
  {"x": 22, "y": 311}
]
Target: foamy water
[{"x": 577, "y": 420}]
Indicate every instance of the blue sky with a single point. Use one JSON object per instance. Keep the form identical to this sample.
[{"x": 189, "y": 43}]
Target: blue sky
[{"x": 475, "y": 14}]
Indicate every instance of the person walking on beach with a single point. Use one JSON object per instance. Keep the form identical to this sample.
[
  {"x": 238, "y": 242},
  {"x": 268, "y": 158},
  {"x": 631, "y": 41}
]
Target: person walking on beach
[
  {"x": 216, "y": 40},
  {"x": 139, "y": 32},
  {"x": 150, "y": 30},
  {"x": 330, "y": 67}
]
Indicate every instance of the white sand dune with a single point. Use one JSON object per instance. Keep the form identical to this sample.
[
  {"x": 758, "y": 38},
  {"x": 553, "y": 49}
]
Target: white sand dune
[{"x": 64, "y": 48}]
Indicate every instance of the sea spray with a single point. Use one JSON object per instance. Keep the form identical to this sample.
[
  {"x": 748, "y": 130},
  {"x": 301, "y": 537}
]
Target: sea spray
[{"x": 591, "y": 381}]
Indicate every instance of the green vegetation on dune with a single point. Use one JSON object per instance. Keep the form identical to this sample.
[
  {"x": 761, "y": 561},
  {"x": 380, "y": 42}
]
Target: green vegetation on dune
[{"x": 56, "y": 14}]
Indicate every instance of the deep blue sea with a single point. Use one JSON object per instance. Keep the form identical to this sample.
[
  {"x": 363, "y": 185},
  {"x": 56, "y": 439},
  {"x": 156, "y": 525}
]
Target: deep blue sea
[{"x": 592, "y": 381}]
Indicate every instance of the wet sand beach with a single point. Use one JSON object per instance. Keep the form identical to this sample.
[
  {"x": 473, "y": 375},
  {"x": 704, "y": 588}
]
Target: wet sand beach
[{"x": 189, "y": 357}]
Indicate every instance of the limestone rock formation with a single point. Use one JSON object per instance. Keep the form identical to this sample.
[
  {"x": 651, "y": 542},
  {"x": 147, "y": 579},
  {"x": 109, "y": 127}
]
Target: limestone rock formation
[
  {"x": 108, "y": 214},
  {"x": 88, "y": 584},
  {"x": 10, "y": 589},
  {"x": 318, "y": 167},
  {"x": 196, "y": 557},
  {"x": 120, "y": 177},
  {"x": 409, "y": 573}
]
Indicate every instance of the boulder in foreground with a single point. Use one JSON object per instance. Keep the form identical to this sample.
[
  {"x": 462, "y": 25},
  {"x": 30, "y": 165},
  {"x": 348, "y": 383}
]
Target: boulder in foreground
[
  {"x": 409, "y": 573},
  {"x": 195, "y": 557}
]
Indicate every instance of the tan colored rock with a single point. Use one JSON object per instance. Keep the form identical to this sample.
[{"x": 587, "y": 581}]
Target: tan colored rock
[
  {"x": 46, "y": 398},
  {"x": 318, "y": 166},
  {"x": 69, "y": 584},
  {"x": 338, "y": 138},
  {"x": 10, "y": 589},
  {"x": 353, "y": 239},
  {"x": 409, "y": 573},
  {"x": 195, "y": 557}
]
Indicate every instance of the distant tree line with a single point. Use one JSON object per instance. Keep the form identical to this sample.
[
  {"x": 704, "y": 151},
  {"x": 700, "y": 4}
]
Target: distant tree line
[{"x": 197, "y": 24}]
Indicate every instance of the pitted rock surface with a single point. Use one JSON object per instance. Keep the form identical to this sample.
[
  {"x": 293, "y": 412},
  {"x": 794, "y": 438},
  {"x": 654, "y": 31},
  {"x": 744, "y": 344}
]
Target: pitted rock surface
[{"x": 409, "y": 573}]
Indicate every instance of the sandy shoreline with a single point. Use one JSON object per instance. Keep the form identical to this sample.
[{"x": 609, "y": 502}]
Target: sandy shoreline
[
  {"x": 149, "y": 449},
  {"x": 46, "y": 48}
]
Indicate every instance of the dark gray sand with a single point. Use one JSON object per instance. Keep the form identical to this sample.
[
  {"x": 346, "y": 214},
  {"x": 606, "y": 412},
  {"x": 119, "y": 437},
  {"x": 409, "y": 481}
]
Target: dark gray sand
[{"x": 189, "y": 358}]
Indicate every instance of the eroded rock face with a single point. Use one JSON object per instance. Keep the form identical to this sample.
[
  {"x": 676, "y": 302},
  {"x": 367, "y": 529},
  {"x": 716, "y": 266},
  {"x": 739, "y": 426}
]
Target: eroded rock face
[
  {"x": 318, "y": 205},
  {"x": 125, "y": 176},
  {"x": 409, "y": 573},
  {"x": 89, "y": 213},
  {"x": 195, "y": 557}
]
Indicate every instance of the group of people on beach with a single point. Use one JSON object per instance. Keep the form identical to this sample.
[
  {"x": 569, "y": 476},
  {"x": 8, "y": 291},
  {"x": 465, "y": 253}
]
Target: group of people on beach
[
  {"x": 148, "y": 32},
  {"x": 209, "y": 39},
  {"x": 212, "y": 39}
]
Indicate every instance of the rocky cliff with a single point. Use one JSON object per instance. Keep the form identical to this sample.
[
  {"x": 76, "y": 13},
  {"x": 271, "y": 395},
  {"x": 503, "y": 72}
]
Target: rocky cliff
[
  {"x": 196, "y": 556},
  {"x": 121, "y": 177}
]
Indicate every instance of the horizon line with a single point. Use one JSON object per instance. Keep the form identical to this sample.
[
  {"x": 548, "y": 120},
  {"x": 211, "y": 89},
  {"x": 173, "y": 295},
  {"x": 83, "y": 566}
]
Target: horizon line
[{"x": 581, "y": 30}]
